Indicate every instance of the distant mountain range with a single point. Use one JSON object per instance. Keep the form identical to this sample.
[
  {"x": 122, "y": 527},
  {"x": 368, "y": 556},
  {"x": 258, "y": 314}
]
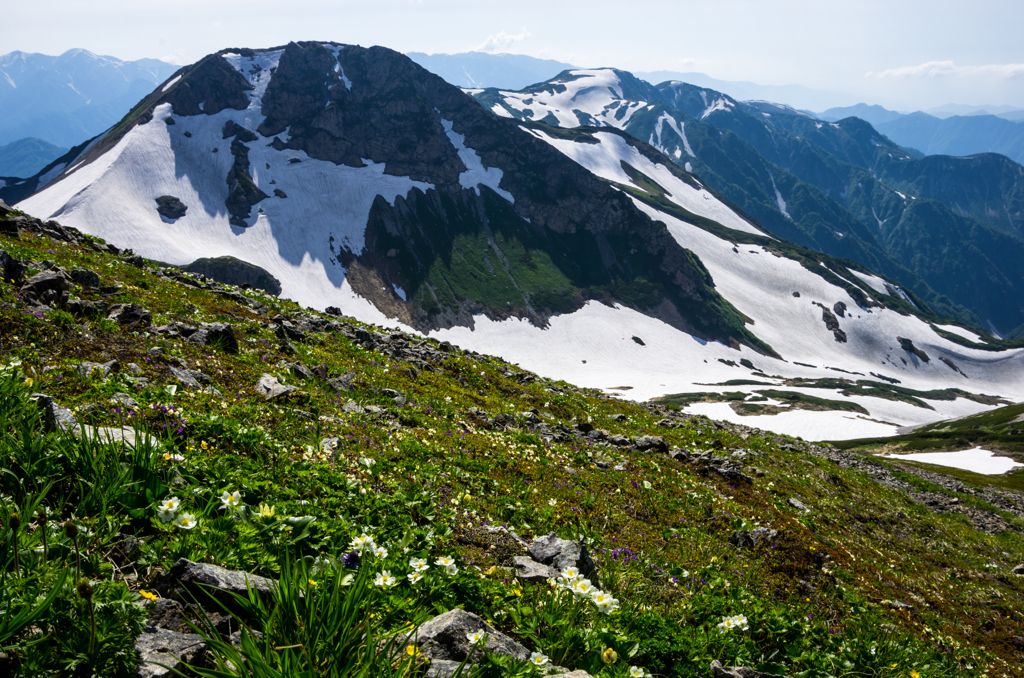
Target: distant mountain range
[
  {"x": 952, "y": 135},
  {"x": 364, "y": 183},
  {"x": 481, "y": 69},
  {"x": 64, "y": 100},
  {"x": 25, "y": 157},
  {"x": 951, "y": 229}
]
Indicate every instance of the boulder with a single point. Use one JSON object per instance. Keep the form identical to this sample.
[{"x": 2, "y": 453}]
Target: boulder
[
  {"x": 82, "y": 308},
  {"x": 444, "y": 668},
  {"x": 797, "y": 504},
  {"x": 85, "y": 277},
  {"x": 651, "y": 443},
  {"x": 753, "y": 538},
  {"x": 46, "y": 287},
  {"x": 571, "y": 674},
  {"x": 270, "y": 387},
  {"x": 125, "y": 400},
  {"x": 130, "y": 315},
  {"x": 216, "y": 335},
  {"x": 199, "y": 580},
  {"x": 101, "y": 370},
  {"x": 170, "y": 207},
  {"x": 165, "y": 653},
  {"x": 444, "y": 638},
  {"x": 530, "y": 570},
  {"x": 11, "y": 268},
  {"x": 719, "y": 671},
  {"x": 55, "y": 417},
  {"x": 189, "y": 378},
  {"x": 289, "y": 332},
  {"x": 562, "y": 553},
  {"x": 299, "y": 370},
  {"x": 165, "y": 613}
]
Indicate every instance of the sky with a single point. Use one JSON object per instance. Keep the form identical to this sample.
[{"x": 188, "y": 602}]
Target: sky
[{"x": 902, "y": 54}]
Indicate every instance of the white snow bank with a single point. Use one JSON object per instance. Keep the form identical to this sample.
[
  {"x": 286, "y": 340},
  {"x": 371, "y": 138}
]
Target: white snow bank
[
  {"x": 805, "y": 424},
  {"x": 605, "y": 160},
  {"x": 977, "y": 460},
  {"x": 171, "y": 83},
  {"x": 475, "y": 173}
]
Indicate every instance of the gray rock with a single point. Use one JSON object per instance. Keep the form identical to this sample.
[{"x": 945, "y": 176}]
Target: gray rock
[
  {"x": 444, "y": 638},
  {"x": 55, "y": 417},
  {"x": 562, "y": 553},
  {"x": 797, "y": 504},
  {"x": 352, "y": 408},
  {"x": 619, "y": 440},
  {"x": 45, "y": 281},
  {"x": 444, "y": 668},
  {"x": 530, "y": 570},
  {"x": 155, "y": 351},
  {"x": 165, "y": 613},
  {"x": 133, "y": 368},
  {"x": 164, "y": 651},
  {"x": 200, "y": 580},
  {"x": 571, "y": 674},
  {"x": 216, "y": 335},
  {"x": 289, "y": 332},
  {"x": 1018, "y": 570},
  {"x": 101, "y": 370},
  {"x": 175, "y": 329},
  {"x": 752, "y": 538},
  {"x": 85, "y": 277},
  {"x": 651, "y": 443},
  {"x": 189, "y": 378},
  {"x": 170, "y": 207},
  {"x": 299, "y": 370},
  {"x": 130, "y": 315},
  {"x": 719, "y": 671},
  {"x": 125, "y": 400},
  {"x": 270, "y": 387},
  {"x": 12, "y": 269}
]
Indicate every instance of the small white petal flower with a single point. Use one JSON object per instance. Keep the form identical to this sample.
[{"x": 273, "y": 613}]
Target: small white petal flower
[
  {"x": 445, "y": 561},
  {"x": 362, "y": 543},
  {"x": 414, "y": 577},
  {"x": 384, "y": 578},
  {"x": 419, "y": 565},
  {"x": 476, "y": 638},
  {"x": 538, "y": 659},
  {"x": 231, "y": 500},
  {"x": 185, "y": 521},
  {"x": 170, "y": 504},
  {"x": 380, "y": 552},
  {"x": 165, "y": 515},
  {"x": 451, "y": 570},
  {"x": 636, "y": 672},
  {"x": 582, "y": 588},
  {"x": 552, "y": 502}
]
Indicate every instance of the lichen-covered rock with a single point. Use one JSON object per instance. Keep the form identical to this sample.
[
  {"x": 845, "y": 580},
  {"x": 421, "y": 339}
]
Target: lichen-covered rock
[
  {"x": 530, "y": 570},
  {"x": 753, "y": 538},
  {"x": 270, "y": 387},
  {"x": 562, "y": 553},
  {"x": 444, "y": 638},
  {"x": 190, "y": 378},
  {"x": 201, "y": 580},
  {"x": 55, "y": 417},
  {"x": 130, "y": 315},
  {"x": 719, "y": 671},
  {"x": 164, "y": 652},
  {"x": 85, "y": 277},
  {"x": 216, "y": 335},
  {"x": 651, "y": 443},
  {"x": 98, "y": 370}
]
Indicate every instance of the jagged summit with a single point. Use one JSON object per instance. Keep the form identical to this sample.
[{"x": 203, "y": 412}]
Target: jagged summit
[{"x": 361, "y": 181}]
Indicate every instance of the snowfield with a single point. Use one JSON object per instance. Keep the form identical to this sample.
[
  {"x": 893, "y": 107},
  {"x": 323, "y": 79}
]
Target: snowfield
[{"x": 317, "y": 209}]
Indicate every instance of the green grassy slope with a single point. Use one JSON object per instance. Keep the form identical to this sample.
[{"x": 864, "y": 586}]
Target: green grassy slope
[{"x": 868, "y": 582}]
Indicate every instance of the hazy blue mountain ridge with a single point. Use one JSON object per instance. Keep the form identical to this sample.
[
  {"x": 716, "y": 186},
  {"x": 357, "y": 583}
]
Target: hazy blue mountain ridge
[
  {"x": 69, "y": 98},
  {"x": 25, "y": 157}
]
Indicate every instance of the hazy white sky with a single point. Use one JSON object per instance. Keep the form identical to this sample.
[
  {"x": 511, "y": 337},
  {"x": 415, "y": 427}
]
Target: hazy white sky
[{"x": 904, "y": 54}]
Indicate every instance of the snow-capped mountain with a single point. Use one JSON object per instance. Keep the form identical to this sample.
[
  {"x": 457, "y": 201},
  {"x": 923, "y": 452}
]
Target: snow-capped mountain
[
  {"x": 363, "y": 182},
  {"x": 67, "y": 99},
  {"x": 948, "y": 228}
]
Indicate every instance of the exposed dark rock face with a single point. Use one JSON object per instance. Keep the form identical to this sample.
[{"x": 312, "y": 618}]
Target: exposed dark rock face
[
  {"x": 216, "y": 335},
  {"x": 832, "y": 323},
  {"x": 232, "y": 271},
  {"x": 908, "y": 346},
  {"x": 130, "y": 315},
  {"x": 170, "y": 207},
  {"x": 243, "y": 192}
]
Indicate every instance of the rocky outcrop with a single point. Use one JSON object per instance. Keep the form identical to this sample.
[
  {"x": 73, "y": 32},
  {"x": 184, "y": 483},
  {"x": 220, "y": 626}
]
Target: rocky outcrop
[
  {"x": 270, "y": 387},
  {"x": 753, "y": 538},
  {"x": 130, "y": 315},
  {"x": 167, "y": 653},
  {"x": 170, "y": 207},
  {"x": 216, "y": 335},
  {"x": 562, "y": 554},
  {"x": 444, "y": 638},
  {"x": 232, "y": 271}
]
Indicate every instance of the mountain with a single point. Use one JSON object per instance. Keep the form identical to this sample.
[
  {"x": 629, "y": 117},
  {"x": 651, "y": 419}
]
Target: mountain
[
  {"x": 960, "y": 135},
  {"x": 364, "y": 183},
  {"x": 799, "y": 96},
  {"x": 67, "y": 99},
  {"x": 482, "y": 69},
  {"x": 833, "y": 187},
  {"x": 25, "y": 157}
]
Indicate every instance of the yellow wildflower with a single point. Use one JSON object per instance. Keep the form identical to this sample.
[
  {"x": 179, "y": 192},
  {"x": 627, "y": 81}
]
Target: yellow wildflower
[{"x": 147, "y": 595}]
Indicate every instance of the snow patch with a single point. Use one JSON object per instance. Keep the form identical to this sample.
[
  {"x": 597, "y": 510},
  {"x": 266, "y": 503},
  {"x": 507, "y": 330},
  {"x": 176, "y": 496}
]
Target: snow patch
[
  {"x": 51, "y": 175},
  {"x": 475, "y": 173},
  {"x": 336, "y": 50},
  {"x": 778, "y": 198},
  {"x": 399, "y": 291},
  {"x": 500, "y": 110},
  {"x": 171, "y": 84},
  {"x": 977, "y": 460},
  {"x": 688, "y": 167}
]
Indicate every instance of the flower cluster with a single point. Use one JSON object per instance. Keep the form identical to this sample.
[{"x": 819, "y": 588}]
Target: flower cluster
[
  {"x": 583, "y": 589},
  {"x": 738, "y": 621},
  {"x": 167, "y": 511}
]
